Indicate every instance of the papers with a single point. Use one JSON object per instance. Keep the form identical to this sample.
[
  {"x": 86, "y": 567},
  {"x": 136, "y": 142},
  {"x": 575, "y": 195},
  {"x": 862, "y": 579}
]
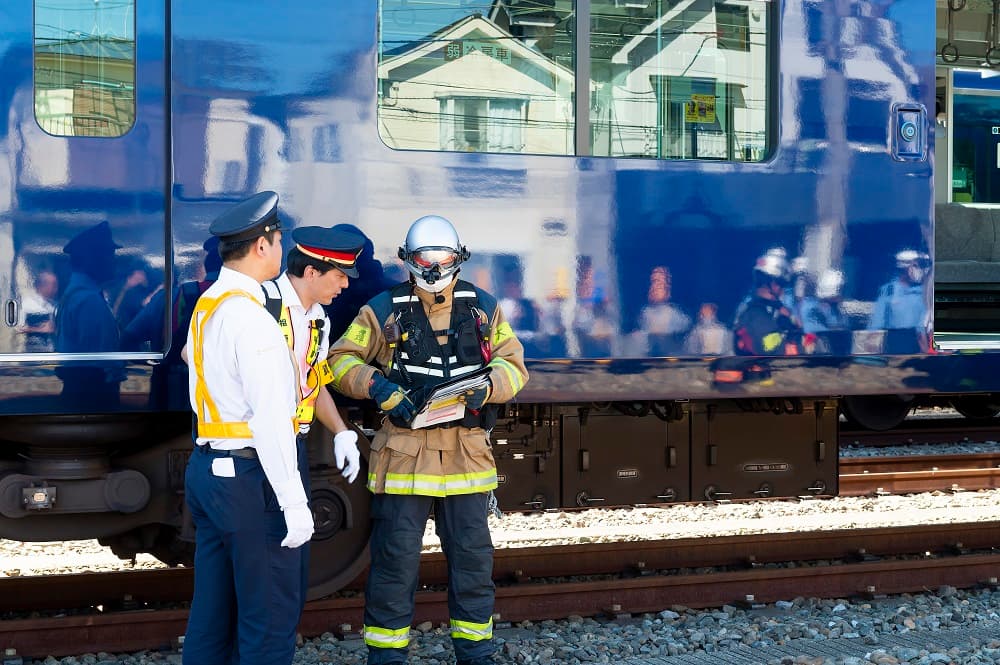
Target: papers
[{"x": 442, "y": 403}]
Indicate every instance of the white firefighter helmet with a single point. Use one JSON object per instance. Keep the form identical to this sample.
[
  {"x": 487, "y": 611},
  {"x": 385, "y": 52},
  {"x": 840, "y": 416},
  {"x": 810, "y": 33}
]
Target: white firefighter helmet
[{"x": 432, "y": 250}]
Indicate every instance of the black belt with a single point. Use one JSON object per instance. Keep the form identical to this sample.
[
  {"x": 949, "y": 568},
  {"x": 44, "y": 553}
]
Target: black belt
[{"x": 242, "y": 453}]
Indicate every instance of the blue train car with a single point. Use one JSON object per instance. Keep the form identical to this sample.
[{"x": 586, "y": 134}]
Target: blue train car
[{"x": 710, "y": 221}]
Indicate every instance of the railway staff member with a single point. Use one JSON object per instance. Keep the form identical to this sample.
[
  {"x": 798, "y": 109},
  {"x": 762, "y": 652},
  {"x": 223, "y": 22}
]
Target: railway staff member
[
  {"x": 243, "y": 484},
  {"x": 406, "y": 340},
  {"x": 318, "y": 269}
]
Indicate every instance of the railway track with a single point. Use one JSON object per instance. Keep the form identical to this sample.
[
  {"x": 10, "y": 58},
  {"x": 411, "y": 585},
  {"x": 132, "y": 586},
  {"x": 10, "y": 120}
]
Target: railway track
[
  {"x": 624, "y": 578},
  {"x": 124, "y": 611},
  {"x": 924, "y": 473},
  {"x": 925, "y": 430}
]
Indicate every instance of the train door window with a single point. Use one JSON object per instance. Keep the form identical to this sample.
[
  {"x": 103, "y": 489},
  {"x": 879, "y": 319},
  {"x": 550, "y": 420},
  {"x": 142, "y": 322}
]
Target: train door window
[
  {"x": 976, "y": 137},
  {"x": 479, "y": 76},
  {"x": 84, "y": 67},
  {"x": 681, "y": 80}
]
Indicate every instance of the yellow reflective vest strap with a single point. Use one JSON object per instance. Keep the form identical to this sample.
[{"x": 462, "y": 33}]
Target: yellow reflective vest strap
[
  {"x": 424, "y": 484},
  {"x": 315, "y": 376},
  {"x": 513, "y": 374},
  {"x": 387, "y": 638},
  {"x": 469, "y": 630},
  {"x": 209, "y": 425},
  {"x": 342, "y": 365}
]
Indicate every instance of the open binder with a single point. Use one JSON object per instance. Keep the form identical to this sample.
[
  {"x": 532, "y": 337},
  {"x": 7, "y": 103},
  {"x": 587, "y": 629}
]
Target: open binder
[{"x": 441, "y": 405}]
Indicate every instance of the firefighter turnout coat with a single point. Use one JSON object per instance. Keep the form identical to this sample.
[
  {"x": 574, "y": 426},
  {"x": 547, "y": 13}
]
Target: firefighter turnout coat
[{"x": 439, "y": 461}]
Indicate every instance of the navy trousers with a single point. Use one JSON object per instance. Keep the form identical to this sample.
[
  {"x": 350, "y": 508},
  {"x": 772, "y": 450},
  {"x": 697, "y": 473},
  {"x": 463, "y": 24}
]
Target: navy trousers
[
  {"x": 248, "y": 590},
  {"x": 397, "y": 536}
]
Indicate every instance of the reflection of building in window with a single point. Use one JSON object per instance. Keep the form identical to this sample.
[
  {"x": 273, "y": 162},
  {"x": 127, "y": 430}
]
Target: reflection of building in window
[
  {"x": 675, "y": 80},
  {"x": 732, "y": 26},
  {"x": 482, "y": 125},
  {"x": 472, "y": 86},
  {"x": 680, "y": 81},
  {"x": 84, "y": 68}
]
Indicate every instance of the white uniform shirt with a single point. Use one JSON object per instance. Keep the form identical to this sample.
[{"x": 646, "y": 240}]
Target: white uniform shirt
[
  {"x": 300, "y": 320},
  {"x": 250, "y": 377}
]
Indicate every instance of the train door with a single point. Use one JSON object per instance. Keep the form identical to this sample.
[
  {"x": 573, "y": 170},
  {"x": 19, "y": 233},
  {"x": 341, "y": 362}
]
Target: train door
[
  {"x": 82, "y": 187},
  {"x": 967, "y": 178}
]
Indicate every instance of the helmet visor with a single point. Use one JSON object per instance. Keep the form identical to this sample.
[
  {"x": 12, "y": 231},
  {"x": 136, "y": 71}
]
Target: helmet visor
[{"x": 428, "y": 258}]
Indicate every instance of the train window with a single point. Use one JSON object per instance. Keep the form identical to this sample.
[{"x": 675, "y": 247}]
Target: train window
[
  {"x": 684, "y": 80},
  {"x": 477, "y": 76},
  {"x": 84, "y": 65},
  {"x": 668, "y": 80}
]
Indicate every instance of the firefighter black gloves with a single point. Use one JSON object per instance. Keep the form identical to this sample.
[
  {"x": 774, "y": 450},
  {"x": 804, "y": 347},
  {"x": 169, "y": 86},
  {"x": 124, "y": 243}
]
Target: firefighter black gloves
[
  {"x": 391, "y": 398},
  {"x": 475, "y": 398}
]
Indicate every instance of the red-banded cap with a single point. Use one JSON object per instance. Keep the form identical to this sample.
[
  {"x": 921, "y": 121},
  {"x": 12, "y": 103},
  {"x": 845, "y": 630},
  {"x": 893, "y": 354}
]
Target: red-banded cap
[{"x": 340, "y": 248}]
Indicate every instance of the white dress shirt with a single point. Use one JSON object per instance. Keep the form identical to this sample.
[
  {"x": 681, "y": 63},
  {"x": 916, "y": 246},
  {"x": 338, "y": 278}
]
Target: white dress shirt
[
  {"x": 300, "y": 320},
  {"x": 250, "y": 377}
]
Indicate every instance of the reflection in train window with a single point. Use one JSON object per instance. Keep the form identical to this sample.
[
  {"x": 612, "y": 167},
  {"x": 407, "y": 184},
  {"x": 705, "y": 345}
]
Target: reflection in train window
[
  {"x": 478, "y": 76},
  {"x": 669, "y": 80},
  {"x": 684, "y": 80},
  {"x": 84, "y": 64}
]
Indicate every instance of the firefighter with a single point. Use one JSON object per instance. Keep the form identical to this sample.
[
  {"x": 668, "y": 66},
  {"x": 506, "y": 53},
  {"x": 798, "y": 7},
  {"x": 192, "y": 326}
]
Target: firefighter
[
  {"x": 404, "y": 342},
  {"x": 764, "y": 325}
]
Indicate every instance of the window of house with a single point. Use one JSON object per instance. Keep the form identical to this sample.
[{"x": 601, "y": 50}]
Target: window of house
[
  {"x": 472, "y": 124},
  {"x": 84, "y": 67}
]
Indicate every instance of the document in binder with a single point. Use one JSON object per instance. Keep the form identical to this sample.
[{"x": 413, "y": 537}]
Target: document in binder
[{"x": 442, "y": 405}]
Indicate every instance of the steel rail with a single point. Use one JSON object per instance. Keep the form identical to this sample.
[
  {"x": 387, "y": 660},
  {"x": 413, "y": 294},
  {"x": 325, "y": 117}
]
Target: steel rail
[
  {"x": 641, "y": 576},
  {"x": 914, "y": 474}
]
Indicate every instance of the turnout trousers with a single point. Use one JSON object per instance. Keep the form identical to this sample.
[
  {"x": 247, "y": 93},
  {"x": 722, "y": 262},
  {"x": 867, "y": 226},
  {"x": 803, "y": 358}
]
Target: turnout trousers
[
  {"x": 398, "y": 523},
  {"x": 248, "y": 590}
]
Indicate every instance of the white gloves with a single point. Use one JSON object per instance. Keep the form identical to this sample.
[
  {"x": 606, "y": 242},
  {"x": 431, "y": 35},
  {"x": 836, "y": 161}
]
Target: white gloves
[
  {"x": 345, "y": 450},
  {"x": 299, "y": 521}
]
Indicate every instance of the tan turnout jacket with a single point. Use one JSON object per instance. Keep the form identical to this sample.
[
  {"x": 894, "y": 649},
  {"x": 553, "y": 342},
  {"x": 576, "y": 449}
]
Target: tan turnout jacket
[{"x": 430, "y": 462}]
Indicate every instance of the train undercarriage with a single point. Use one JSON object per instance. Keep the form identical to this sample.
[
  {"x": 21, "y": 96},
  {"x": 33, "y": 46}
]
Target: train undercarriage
[{"x": 60, "y": 485}]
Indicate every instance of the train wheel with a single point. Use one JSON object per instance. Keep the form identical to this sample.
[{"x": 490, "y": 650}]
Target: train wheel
[
  {"x": 339, "y": 547},
  {"x": 977, "y": 407},
  {"x": 877, "y": 412}
]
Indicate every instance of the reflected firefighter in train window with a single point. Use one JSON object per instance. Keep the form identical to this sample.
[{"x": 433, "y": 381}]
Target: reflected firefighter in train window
[{"x": 764, "y": 325}]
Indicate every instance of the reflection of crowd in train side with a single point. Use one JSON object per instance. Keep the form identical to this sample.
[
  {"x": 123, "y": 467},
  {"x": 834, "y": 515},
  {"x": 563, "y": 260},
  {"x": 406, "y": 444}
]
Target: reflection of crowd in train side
[{"x": 788, "y": 310}]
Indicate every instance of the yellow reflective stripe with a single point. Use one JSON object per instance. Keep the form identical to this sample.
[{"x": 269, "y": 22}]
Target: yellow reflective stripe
[
  {"x": 343, "y": 365},
  {"x": 224, "y": 430},
  {"x": 358, "y": 334},
  {"x": 502, "y": 333},
  {"x": 772, "y": 341},
  {"x": 325, "y": 373},
  {"x": 467, "y": 630},
  {"x": 209, "y": 426},
  {"x": 438, "y": 485},
  {"x": 386, "y": 638},
  {"x": 314, "y": 374},
  {"x": 513, "y": 375},
  {"x": 285, "y": 323}
]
